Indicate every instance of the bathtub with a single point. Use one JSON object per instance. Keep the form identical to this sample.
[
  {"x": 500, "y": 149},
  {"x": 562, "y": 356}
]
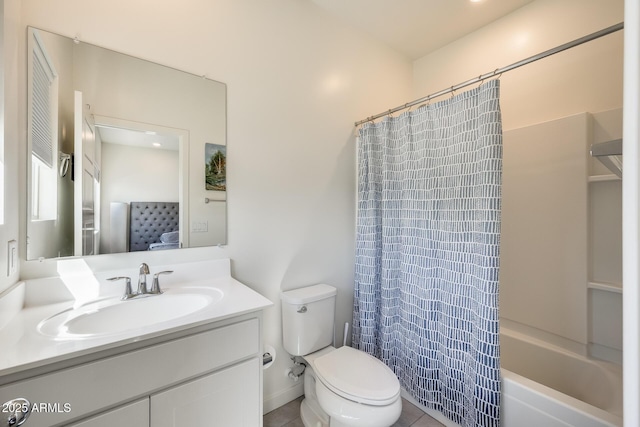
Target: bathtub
[{"x": 545, "y": 385}]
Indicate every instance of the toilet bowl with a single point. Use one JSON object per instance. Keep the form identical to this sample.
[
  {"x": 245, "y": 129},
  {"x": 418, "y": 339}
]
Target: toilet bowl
[
  {"x": 343, "y": 386},
  {"x": 353, "y": 388}
]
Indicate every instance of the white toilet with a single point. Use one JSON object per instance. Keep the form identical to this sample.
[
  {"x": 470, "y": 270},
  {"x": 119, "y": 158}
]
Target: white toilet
[{"x": 344, "y": 386}]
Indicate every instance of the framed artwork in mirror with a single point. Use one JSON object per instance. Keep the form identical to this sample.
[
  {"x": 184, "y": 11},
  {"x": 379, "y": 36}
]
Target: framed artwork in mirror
[{"x": 215, "y": 167}]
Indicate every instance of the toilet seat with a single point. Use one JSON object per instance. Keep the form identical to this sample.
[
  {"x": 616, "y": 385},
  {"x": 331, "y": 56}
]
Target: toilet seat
[{"x": 357, "y": 376}]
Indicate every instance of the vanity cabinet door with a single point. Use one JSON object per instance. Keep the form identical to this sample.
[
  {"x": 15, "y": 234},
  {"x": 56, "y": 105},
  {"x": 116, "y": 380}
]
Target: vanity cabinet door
[
  {"x": 135, "y": 414},
  {"x": 113, "y": 381},
  {"x": 229, "y": 397}
]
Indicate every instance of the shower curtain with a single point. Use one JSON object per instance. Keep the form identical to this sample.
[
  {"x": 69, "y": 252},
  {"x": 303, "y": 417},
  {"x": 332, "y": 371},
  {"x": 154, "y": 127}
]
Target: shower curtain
[{"x": 427, "y": 252}]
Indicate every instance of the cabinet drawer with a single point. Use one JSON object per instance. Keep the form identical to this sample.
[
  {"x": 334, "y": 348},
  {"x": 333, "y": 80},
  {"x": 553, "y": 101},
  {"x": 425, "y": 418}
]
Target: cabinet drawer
[{"x": 106, "y": 383}]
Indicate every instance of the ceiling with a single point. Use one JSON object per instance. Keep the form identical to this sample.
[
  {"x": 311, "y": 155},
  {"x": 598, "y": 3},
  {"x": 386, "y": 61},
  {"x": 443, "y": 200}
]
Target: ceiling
[
  {"x": 418, "y": 27},
  {"x": 133, "y": 138}
]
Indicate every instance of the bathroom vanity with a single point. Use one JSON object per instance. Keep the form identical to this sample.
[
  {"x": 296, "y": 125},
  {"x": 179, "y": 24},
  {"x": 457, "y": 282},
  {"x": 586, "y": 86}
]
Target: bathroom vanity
[{"x": 200, "y": 369}]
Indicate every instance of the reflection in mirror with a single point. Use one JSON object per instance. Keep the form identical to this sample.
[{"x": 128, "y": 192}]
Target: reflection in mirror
[{"x": 117, "y": 152}]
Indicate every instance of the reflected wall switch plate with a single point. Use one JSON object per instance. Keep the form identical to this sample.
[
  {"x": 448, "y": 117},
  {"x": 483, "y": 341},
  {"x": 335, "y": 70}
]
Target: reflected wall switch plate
[
  {"x": 200, "y": 226},
  {"x": 12, "y": 257}
]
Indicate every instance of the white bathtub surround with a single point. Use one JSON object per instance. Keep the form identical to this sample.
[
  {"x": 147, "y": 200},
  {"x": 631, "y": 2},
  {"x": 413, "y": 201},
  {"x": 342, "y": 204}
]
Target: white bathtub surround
[
  {"x": 547, "y": 385},
  {"x": 25, "y": 348},
  {"x": 527, "y": 403},
  {"x": 545, "y": 187},
  {"x": 572, "y": 208}
]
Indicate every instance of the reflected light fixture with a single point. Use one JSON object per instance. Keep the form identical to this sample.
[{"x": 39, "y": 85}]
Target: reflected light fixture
[{"x": 157, "y": 144}]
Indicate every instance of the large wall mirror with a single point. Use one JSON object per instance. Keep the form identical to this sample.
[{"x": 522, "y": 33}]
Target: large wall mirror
[{"x": 123, "y": 154}]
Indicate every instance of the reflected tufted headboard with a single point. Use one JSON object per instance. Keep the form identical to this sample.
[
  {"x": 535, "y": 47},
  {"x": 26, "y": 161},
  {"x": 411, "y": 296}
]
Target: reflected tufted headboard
[{"x": 148, "y": 220}]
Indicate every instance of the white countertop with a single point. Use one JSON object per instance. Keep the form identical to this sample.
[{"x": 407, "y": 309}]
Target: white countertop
[{"x": 24, "y": 347}]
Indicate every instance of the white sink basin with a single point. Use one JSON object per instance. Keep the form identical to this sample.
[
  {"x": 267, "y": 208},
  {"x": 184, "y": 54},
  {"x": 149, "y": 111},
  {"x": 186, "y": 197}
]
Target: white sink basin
[{"x": 113, "y": 316}]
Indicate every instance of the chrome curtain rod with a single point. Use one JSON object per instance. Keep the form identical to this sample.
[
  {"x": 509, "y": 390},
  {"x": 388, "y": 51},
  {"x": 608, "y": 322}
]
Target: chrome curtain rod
[{"x": 497, "y": 72}]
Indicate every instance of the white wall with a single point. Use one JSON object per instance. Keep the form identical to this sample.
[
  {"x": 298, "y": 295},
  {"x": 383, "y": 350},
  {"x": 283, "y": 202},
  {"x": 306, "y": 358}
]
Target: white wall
[
  {"x": 297, "y": 80},
  {"x": 12, "y": 134},
  {"x": 587, "y": 78}
]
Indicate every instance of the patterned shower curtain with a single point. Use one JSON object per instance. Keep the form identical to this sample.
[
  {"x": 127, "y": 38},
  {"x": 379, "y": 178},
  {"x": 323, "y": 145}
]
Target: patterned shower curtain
[{"x": 427, "y": 252}]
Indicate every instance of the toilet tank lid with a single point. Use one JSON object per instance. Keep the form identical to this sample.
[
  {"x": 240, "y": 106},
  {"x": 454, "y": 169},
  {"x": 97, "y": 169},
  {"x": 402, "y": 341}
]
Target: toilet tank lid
[{"x": 308, "y": 294}]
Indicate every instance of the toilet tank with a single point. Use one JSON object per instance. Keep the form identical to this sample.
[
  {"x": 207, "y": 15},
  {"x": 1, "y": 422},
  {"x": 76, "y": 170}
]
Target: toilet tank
[{"x": 308, "y": 318}]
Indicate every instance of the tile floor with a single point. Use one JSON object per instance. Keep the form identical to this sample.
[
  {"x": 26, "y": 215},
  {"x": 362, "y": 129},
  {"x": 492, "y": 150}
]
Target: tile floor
[{"x": 289, "y": 416}]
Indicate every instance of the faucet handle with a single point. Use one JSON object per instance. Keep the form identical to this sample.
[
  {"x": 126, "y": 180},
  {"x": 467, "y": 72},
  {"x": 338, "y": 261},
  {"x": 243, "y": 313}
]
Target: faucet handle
[
  {"x": 155, "y": 286},
  {"x": 128, "y": 294}
]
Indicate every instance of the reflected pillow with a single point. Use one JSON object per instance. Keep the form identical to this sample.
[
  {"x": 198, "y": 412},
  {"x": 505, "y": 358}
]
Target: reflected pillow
[{"x": 171, "y": 237}]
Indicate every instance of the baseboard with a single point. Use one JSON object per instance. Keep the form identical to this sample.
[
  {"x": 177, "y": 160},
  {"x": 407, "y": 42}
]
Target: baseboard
[{"x": 281, "y": 398}]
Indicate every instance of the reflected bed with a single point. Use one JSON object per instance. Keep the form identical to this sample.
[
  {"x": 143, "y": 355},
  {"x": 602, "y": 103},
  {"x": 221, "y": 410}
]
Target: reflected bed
[{"x": 153, "y": 226}]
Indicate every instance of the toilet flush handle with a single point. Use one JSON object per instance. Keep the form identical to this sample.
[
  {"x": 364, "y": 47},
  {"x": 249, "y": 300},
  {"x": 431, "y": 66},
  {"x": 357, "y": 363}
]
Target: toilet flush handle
[{"x": 302, "y": 309}]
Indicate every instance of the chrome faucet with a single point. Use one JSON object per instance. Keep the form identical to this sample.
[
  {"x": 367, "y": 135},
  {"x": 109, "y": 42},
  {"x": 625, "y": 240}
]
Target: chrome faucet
[
  {"x": 142, "y": 283},
  {"x": 142, "y": 279}
]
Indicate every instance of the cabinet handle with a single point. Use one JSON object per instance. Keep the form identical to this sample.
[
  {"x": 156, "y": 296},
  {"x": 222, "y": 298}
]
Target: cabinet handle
[{"x": 19, "y": 410}]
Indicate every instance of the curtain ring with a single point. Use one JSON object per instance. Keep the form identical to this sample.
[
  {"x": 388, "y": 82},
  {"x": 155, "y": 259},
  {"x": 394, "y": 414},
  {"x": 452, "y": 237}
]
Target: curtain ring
[{"x": 480, "y": 80}]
